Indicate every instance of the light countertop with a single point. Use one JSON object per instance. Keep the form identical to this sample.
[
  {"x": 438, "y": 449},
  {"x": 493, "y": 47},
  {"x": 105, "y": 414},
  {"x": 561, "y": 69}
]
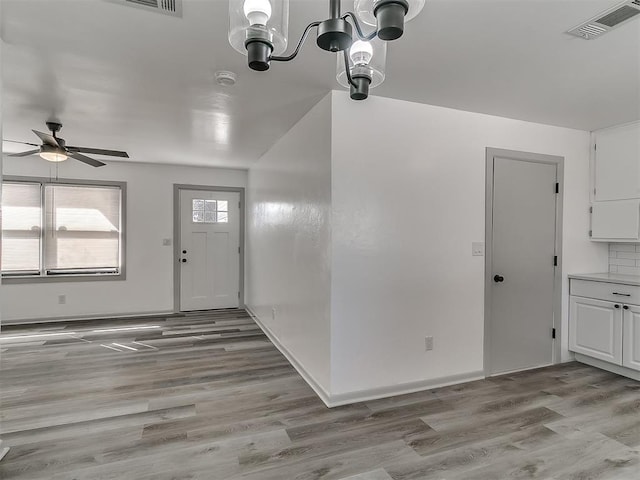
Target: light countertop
[{"x": 608, "y": 277}]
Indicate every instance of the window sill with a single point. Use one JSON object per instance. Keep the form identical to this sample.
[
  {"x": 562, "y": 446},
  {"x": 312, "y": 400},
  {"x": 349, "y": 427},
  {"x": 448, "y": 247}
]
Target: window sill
[{"x": 33, "y": 279}]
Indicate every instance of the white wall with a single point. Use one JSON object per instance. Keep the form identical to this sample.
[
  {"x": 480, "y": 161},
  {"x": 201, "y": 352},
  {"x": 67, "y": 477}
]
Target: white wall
[
  {"x": 149, "y": 265},
  {"x": 289, "y": 231},
  {"x": 408, "y": 201}
]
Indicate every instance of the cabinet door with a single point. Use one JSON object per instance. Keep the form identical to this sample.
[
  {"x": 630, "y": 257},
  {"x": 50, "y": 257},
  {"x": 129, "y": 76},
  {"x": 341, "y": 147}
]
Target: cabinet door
[
  {"x": 617, "y": 163},
  {"x": 631, "y": 351},
  {"x": 595, "y": 329},
  {"x": 616, "y": 221}
]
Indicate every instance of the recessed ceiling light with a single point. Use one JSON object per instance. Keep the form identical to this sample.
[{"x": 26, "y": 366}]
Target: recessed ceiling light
[{"x": 225, "y": 78}]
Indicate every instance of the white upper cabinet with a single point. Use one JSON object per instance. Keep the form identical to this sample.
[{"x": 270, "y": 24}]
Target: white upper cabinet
[
  {"x": 617, "y": 163},
  {"x": 616, "y": 221}
]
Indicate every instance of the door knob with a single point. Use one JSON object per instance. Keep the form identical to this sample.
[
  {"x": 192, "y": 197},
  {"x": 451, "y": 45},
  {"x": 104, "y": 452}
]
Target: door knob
[
  {"x": 498, "y": 278},
  {"x": 617, "y": 306},
  {"x": 184, "y": 260},
  {"x": 626, "y": 307},
  {"x": 184, "y": 251}
]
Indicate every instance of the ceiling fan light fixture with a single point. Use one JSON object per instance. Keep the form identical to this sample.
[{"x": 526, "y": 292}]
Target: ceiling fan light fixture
[{"x": 52, "y": 154}]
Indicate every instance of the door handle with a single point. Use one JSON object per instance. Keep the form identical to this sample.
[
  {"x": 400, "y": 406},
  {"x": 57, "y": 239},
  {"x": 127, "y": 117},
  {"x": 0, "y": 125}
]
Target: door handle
[
  {"x": 498, "y": 278},
  {"x": 617, "y": 306},
  {"x": 626, "y": 307},
  {"x": 622, "y": 294},
  {"x": 183, "y": 260}
]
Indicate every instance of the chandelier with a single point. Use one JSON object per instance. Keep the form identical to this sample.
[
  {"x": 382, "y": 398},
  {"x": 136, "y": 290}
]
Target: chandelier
[{"x": 259, "y": 29}]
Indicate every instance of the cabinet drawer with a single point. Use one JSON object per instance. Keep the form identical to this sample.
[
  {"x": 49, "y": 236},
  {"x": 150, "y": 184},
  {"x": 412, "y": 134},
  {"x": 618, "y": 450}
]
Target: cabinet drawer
[{"x": 612, "y": 292}]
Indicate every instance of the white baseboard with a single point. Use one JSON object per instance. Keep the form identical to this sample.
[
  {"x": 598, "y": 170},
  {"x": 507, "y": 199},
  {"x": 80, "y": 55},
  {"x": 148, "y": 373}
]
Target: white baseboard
[
  {"x": 313, "y": 383},
  {"x": 3, "y": 450},
  {"x": 403, "y": 388},
  {"x": 610, "y": 367},
  {"x": 28, "y": 321},
  {"x": 336, "y": 400}
]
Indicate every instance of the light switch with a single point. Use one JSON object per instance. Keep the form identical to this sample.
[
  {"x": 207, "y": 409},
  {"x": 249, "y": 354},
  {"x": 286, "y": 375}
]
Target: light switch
[
  {"x": 477, "y": 249},
  {"x": 166, "y": 242}
]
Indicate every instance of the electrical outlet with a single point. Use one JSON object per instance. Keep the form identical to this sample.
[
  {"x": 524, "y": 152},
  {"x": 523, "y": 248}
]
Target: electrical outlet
[
  {"x": 477, "y": 249},
  {"x": 273, "y": 313},
  {"x": 428, "y": 343},
  {"x": 62, "y": 299}
]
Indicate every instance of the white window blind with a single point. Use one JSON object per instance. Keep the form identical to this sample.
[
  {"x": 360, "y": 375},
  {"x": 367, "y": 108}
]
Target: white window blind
[
  {"x": 82, "y": 228},
  {"x": 61, "y": 229},
  {"x": 21, "y": 228}
]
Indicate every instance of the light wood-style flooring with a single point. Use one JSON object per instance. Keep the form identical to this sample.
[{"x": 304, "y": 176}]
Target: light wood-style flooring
[{"x": 207, "y": 396}]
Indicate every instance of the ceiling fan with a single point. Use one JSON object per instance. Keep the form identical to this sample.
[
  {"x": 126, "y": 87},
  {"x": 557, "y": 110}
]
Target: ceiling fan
[{"x": 55, "y": 149}]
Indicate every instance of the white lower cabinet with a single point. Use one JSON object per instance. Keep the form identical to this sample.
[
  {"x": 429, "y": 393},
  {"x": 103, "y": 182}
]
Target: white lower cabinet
[
  {"x": 631, "y": 335},
  {"x": 604, "y": 324},
  {"x": 595, "y": 329}
]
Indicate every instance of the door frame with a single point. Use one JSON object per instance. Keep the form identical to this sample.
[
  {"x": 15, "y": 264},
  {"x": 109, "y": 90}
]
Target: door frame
[
  {"x": 176, "y": 236},
  {"x": 488, "y": 260}
]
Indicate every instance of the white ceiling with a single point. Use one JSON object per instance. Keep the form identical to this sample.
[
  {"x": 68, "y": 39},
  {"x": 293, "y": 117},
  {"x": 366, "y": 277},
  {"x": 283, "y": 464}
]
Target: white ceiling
[{"x": 124, "y": 78}]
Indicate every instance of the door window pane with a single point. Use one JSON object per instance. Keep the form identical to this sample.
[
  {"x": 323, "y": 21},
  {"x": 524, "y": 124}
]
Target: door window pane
[{"x": 210, "y": 211}]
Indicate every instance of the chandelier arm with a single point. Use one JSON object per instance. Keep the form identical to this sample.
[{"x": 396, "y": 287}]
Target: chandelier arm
[
  {"x": 297, "y": 50},
  {"x": 356, "y": 23},
  {"x": 347, "y": 68}
]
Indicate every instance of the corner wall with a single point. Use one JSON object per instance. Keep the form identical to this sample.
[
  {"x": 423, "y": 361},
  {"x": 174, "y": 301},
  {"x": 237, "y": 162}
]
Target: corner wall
[
  {"x": 289, "y": 250},
  {"x": 148, "y": 287},
  {"x": 408, "y": 200}
]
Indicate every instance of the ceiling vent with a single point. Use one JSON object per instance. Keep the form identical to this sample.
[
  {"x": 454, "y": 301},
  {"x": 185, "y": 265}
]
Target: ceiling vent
[
  {"x": 607, "y": 20},
  {"x": 168, "y": 7}
]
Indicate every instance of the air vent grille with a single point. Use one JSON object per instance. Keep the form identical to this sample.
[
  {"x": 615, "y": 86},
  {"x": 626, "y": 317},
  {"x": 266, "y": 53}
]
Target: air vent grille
[
  {"x": 148, "y": 3},
  {"x": 607, "y": 21},
  {"x": 619, "y": 16},
  {"x": 168, "y": 7}
]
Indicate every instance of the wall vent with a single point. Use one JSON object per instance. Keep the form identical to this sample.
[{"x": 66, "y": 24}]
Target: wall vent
[
  {"x": 168, "y": 7},
  {"x": 607, "y": 20}
]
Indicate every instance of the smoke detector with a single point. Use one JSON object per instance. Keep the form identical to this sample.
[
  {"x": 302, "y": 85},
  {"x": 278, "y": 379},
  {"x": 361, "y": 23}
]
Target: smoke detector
[
  {"x": 607, "y": 20},
  {"x": 225, "y": 78}
]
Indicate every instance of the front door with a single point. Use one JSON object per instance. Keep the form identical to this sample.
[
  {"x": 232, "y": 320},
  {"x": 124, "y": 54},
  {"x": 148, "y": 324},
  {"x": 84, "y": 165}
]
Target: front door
[
  {"x": 522, "y": 271},
  {"x": 209, "y": 249}
]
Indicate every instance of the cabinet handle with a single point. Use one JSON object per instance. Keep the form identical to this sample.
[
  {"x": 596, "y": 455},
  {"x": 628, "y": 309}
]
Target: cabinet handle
[
  {"x": 617, "y": 306},
  {"x": 626, "y": 307},
  {"x": 622, "y": 294}
]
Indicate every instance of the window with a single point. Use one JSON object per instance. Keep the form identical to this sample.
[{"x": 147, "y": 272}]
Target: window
[
  {"x": 61, "y": 229},
  {"x": 210, "y": 211}
]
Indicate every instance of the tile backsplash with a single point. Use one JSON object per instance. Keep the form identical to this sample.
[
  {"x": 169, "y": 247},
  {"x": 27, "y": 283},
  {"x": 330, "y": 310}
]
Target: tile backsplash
[{"x": 624, "y": 258}]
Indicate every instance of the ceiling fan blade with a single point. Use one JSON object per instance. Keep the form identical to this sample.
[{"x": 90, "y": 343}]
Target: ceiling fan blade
[
  {"x": 47, "y": 139},
  {"x": 99, "y": 151},
  {"x": 24, "y": 143},
  {"x": 23, "y": 154},
  {"x": 85, "y": 159}
]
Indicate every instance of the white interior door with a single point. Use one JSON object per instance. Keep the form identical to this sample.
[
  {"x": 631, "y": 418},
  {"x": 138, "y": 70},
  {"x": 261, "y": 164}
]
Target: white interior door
[
  {"x": 522, "y": 270},
  {"x": 209, "y": 249}
]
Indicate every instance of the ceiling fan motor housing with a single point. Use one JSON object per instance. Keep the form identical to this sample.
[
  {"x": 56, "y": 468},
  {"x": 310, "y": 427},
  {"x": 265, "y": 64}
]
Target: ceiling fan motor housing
[{"x": 54, "y": 127}]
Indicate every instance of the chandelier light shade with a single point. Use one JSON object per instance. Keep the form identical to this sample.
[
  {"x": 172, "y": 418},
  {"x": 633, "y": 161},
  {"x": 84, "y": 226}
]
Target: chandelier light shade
[
  {"x": 367, "y": 61},
  {"x": 388, "y": 15},
  {"x": 259, "y": 29}
]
